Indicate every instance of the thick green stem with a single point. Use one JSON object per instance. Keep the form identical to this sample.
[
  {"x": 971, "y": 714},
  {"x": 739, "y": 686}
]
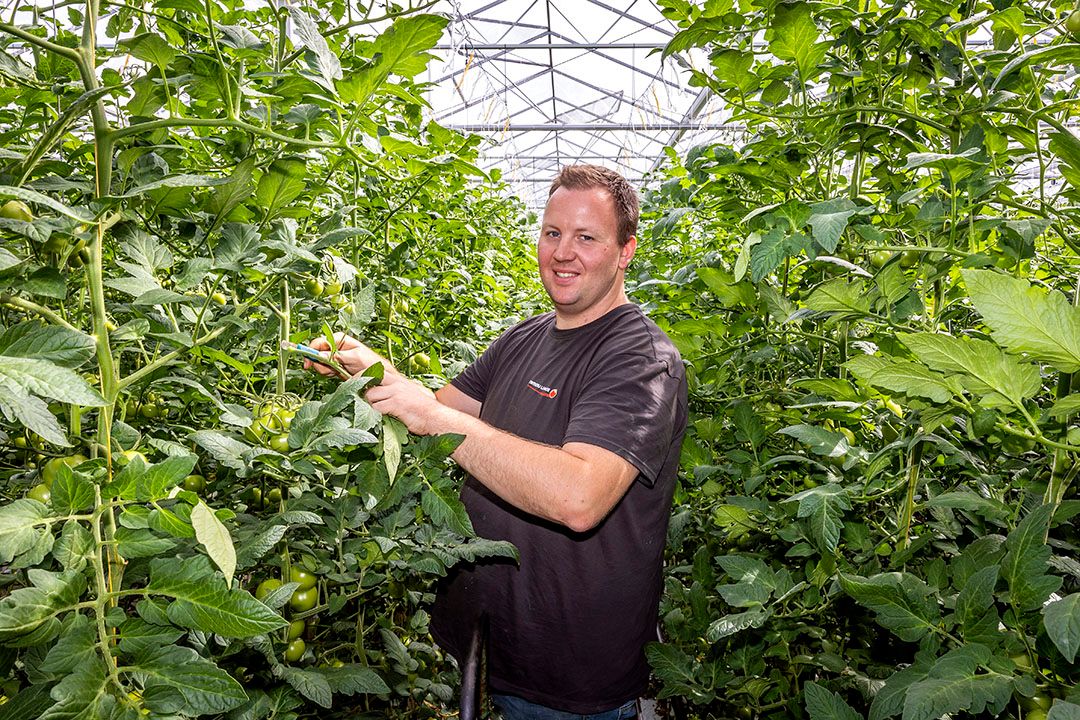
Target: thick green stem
[
  {"x": 284, "y": 322},
  {"x": 907, "y": 512},
  {"x": 105, "y": 599}
]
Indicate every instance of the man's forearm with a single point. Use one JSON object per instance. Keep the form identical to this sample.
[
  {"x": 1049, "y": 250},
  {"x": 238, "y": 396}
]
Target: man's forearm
[{"x": 542, "y": 480}]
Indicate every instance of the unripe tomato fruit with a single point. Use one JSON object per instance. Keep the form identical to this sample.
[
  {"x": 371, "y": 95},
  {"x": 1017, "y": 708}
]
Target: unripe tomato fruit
[
  {"x": 273, "y": 495},
  {"x": 332, "y": 288},
  {"x": 909, "y": 258},
  {"x": 219, "y": 298},
  {"x": 280, "y": 443},
  {"x": 303, "y": 600},
  {"x": 295, "y": 650},
  {"x": 296, "y": 629},
  {"x": 123, "y": 458},
  {"x": 879, "y": 258},
  {"x": 266, "y": 587},
  {"x": 302, "y": 576},
  {"x": 195, "y": 483},
  {"x": 16, "y": 210},
  {"x": 41, "y": 493},
  {"x": 50, "y": 469},
  {"x": 1072, "y": 24},
  {"x": 314, "y": 287},
  {"x": 420, "y": 362}
]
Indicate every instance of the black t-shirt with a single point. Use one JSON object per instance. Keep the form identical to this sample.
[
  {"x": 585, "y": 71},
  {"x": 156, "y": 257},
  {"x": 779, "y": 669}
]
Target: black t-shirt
[{"x": 569, "y": 624}]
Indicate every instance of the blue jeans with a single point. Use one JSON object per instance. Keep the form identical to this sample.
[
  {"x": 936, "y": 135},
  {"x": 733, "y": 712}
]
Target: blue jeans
[{"x": 514, "y": 708}]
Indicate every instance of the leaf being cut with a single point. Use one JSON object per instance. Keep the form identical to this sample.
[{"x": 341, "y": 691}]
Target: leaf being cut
[
  {"x": 1025, "y": 319},
  {"x": 201, "y": 600}
]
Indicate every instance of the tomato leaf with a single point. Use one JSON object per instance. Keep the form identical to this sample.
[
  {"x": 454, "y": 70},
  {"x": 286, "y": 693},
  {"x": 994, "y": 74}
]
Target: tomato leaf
[
  {"x": 823, "y": 704},
  {"x": 1062, "y": 621},
  {"x": 205, "y": 687},
  {"x": 215, "y": 538}
]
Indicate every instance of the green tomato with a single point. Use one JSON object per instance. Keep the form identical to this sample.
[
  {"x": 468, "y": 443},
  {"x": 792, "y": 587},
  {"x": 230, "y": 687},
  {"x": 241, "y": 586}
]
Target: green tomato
[
  {"x": 52, "y": 467},
  {"x": 419, "y": 362},
  {"x": 1072, "y": 24},
  {"x": 280, "y": 443},
  {"x": 219, "y": 298},
  {"x": 266, "y": 587},
  {"x": 296, "y": 629},
  {"x": 256, "y": 498},
  {"x": 195, "y": 483},
  {"x": 302, "y": 576},
  {"x": 295, "y": 650},
  {"x": 314, "y": 286},
  {"x": 909, "y": 258},
  {"x": 304, "y": 600},
  {"x": 273, "y": 495},
  {"x": 55, "y": 244},
  {"x": 126, "y": 456},
  {"x": 41, "y": 493},
  {"x": 879, "y": 258},
  {"x": 332, "y": 288},
  {"x": 16, "y": 210}
]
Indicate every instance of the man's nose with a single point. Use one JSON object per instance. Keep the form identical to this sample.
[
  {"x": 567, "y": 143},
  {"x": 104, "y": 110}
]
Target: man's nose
[{"x": 564, "y": 249}]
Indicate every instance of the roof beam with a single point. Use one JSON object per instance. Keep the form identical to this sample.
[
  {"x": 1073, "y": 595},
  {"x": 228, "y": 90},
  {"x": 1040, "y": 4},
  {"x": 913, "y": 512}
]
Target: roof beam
[
  {"x": 595, "y": 127},
  {"x": 628, "y": 16},
  {"x": 552, "y": 46}
]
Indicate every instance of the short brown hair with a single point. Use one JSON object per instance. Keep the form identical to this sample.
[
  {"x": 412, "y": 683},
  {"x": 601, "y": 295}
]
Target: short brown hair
[{"x": 585, "y": 177}]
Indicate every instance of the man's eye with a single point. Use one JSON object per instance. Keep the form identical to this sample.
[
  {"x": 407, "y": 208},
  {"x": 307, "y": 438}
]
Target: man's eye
[{"x": 586, "y": 237}]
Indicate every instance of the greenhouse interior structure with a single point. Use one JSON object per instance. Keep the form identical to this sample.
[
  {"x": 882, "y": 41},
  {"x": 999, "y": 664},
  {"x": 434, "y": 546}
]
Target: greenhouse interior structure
[{"x": 333, "y": 386}]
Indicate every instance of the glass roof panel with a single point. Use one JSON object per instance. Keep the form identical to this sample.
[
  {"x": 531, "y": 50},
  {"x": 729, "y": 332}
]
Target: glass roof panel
[{"x": 556, "y": 82}]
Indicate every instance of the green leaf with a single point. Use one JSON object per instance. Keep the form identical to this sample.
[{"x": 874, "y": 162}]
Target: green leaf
[
  {"x": 151, "y": 48},
  {"x": 445, "y": 509},
  {"x": 138, "y": 543},
  {"x": 21, "y": 527},
  {"x": 354, "y": 679},
  {"x": 252, "y": 550},
  {"x": 823, "y": 508},
  {"x": 202, "y": 601},
  {"x": 138, "y": 636},
  {"x": 226, "y": 449},
  {"x": 1065, "y": 407},
  {"x": 893, "y": 284},
  {"x": 34, "y": 413},
  {"x": 327, "y": 65},
  {"x": 1025, "y": 563},
  {"x": 50, "y": 343},
  {"x": 730, "y": 624},
  {"x": 75, "y": 546},
  {"x": 830, "y": 219},
  {"x": 674, "y": 668},
  {"x": 394, "y": 435},
  {"x": 48, "y": 380},
  {"x": 900, "y": 601},
  {"x": 985, "y": 367},
  {"x": 31, "y": 196},
  {"x": 822, "y": 704},
  {"x": 1066, "y": 54},
  {"x": 231, "y": 194},
  {"x": 819, "y": 440},
  {"x": 399, "y": 50},
  {"x": 902, "y": 376},
  {"x": 77, "y": 645},
  {"x": 847, "y": 298},
  {"x": 26, "y": 609},
  {"x": 71, "y": 493},
  {"x": 155, "y": 481},
  {"x": 954, "y": 685},
  {"x": 794, "y": 37},
  {"x": 975, "y": 605},
  {"x": 215, "y": 538},
  {"x": 1062, "y": 710},
  {"x": 282, "y": 183},
  {"x": 889, "y": 701},
  {"x": 206, "y": 688},
  {"x": 83, "y": 694},
  {"x": 728, "y": 291},
  {"x": 1025, "y": 319},
  {"x": 312, "y": 685},
  {"x": 1062, "y": 621},
  {"x": 767, "y": 254}
]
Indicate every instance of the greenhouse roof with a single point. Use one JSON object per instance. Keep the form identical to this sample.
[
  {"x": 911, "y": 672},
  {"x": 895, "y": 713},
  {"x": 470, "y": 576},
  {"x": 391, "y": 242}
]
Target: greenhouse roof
[{"x": 556, "y": 82}]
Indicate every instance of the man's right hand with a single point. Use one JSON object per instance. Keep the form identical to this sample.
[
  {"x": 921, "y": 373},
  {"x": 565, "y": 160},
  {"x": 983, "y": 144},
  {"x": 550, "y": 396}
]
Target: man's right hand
[{"x": 353, "y": 355}]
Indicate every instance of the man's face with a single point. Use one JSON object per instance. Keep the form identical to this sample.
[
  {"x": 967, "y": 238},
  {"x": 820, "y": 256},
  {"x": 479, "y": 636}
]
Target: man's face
[{"x": 581, "y": 261}]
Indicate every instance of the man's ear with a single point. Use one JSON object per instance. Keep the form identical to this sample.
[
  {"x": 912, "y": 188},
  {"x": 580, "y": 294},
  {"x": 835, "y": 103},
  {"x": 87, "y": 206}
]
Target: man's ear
[{"x": 626, "y": 252}]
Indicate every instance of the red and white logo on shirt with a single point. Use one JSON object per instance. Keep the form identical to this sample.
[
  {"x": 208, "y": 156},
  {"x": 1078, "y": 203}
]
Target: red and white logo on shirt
[{"x": 543, "y": 390}]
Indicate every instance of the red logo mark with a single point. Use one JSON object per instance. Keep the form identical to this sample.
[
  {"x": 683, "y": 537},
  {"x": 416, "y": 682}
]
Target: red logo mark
[{"x": 543, "y": 390}]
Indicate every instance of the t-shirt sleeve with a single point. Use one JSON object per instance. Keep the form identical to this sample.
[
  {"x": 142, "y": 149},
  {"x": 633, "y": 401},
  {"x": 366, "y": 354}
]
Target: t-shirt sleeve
[
  {"x": 473, "y": 380},
  {"x": 630, "y": 406}
]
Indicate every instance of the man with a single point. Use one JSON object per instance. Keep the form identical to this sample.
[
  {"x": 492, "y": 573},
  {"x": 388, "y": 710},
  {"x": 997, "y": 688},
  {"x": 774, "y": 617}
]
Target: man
[{"x": 573, "y": 421}]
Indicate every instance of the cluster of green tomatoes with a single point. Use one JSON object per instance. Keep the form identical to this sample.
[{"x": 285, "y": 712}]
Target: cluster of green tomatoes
[{"x": 303, "y": 599}]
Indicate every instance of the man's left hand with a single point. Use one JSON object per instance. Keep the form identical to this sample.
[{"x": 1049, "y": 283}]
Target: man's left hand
[{"x": 408, "y": 401}]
